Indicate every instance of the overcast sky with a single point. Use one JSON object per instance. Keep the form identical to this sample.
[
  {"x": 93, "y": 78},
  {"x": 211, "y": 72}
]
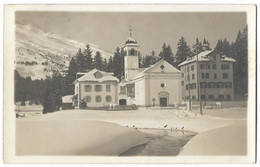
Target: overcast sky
[{"x": 151, "y": 30}]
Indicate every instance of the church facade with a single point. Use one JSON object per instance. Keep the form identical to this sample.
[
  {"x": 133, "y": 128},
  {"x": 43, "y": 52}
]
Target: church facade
[{"x": 157, "y": 85}]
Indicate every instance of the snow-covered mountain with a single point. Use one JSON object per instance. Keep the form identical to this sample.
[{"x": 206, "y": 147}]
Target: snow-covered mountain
[{"x": 37, "y": 52}]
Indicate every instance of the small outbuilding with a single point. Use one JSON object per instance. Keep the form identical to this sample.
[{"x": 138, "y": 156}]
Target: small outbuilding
[{"x": 67, "y": 102}]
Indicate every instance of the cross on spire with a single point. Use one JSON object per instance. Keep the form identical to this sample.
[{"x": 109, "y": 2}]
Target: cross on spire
[{"x": 130, "y": 31}]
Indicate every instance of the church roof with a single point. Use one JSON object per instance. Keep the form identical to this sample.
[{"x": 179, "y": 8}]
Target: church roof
[
  {"x": 158, "y": 64},
  {"x": 203, "y": 56},
  {"x": 131, "y": 42},
  {"x": 97, "y": 76}
]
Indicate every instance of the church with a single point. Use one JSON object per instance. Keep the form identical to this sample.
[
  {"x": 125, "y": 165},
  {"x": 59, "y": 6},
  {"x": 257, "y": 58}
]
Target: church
[{"x": 157, "y": 85}]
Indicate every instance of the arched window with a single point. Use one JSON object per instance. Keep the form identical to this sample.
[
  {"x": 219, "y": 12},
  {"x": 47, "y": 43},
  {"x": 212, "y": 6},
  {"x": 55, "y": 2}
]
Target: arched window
[
  {"x": 98, "y": 98},
  {"x": 108, "y": 98},
  {"x": 88, "y": 99},
  {"x": 132, "y": 52}
]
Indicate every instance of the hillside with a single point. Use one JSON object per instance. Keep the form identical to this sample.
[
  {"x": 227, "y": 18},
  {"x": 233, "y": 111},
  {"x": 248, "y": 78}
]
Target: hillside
[{"x": 37, "y": 52}]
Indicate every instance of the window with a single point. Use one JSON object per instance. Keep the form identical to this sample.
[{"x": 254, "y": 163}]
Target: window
[
  {"x": 211, "y": 85},
  {"x": 203, "y": 85},
  {"x": 188, "y": 77},
  {"x": 214, "y": 57},
  {"x": 87, "y": 88},
  {"x": 228, "y": 97},
  {"x": 204, "y": 66},
  {"x": 214, "y": 66},
  {"x": 88, "y": 99},
  {"x": 108, "y": 88},
  {"x": 98, "y": 98},
  {"x": 182, "y": 75},
  {"x": 193, "y": 86},
  {"x": 225, "y": 75},
  {"x": 108, "y": 98},
  {"x": 211, "y": 96},
  {"x": 224, "y": 66},
  {"x": 187, "y": 87},
  {"x": 228, "y": 85},
  {"x": 193, "y": 97},
  {"x": 98, "y": 75},
  {"x": 98, "y": 88},
  {"x": 193, "y": 76},
  {"x": 192, "y": 67},
  {"x": 163, "y": 85},
  {"x": 132, "y": 52},
  {"x": 182, "y": 83},
  {"x": 205, "y": 75},
  {"x": 219, "y": 85},
  {"x": 203, "y": 97},
  {"x": 221, "y": 97},
  {"x": 215, "y": 76}
]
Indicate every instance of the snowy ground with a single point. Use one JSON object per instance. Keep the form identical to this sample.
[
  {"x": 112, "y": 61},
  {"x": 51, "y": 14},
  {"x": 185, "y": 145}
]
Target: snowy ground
[{"x": 218, "y": 124}]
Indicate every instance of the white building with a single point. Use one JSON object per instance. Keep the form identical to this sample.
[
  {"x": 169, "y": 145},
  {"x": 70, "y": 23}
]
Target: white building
[
  {"x": 157, "y": 85},
  {"x": 97, "y": 88},
  {"x": 210, "y": 74}
]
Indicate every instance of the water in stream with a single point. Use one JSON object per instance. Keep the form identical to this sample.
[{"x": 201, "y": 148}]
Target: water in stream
[{"x": 161, "y": 143}]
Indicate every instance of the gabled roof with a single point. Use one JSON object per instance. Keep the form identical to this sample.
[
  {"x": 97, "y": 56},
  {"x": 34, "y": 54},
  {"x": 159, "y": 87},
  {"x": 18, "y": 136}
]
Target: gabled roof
[
  {"x": 97, "y": 76},
  {"x": 203, "y": 56},
  {"x": 154, "y": 66}
]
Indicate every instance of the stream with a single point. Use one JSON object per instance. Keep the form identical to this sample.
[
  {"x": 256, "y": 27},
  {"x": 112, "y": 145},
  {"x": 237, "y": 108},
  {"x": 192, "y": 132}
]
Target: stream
[{"x": 161, "y": 143}]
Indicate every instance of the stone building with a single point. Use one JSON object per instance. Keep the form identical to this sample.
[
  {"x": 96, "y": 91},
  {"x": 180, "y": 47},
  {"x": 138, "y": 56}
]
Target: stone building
[{"x": 215, "y": 81}]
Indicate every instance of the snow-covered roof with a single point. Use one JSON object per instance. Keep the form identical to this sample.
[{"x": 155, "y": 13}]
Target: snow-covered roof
[
  {"x": 131, "y": 42},
  {"x": 97, "y": 76},
  {"x": 146, "y": 70},
  {"x": 67, "y": 99},
  {"x": 203, "y": 56},
  {"x": 224, "y": 58}
]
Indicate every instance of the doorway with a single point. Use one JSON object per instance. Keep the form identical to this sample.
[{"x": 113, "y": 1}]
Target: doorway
[
  {"x": 122, "y": 102},
  {"x": 163, "y": 101}
]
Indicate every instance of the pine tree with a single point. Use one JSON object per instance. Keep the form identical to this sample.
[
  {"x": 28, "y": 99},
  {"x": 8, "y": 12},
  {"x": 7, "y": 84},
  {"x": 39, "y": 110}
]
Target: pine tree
[
  {"x": 110, "y": 67},
  {"x": 87, "y": 58},
  {"x": 71, "y": 77},
  {"x": 197, "y": 47},
  {"x": 239, "y": 51},
  {"x": 167, "y": 54},
  {"x": 80, "y": 61},
  {"x": 48, "y": 105},
  {"x": 53, "y": 93},
  {"x": 118, "y": 61},
  {"x": 183, "y": 51},
  {"x": 149, "y": 60},
  {"x": 223, "y": 46},
  {"x": 105, "y": 65},
  {"x": 98, "y": 61}
]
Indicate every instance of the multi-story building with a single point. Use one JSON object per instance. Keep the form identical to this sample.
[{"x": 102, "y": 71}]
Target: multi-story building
[
  {"x": 210, "y": 74},
  {"x": 97, "y": 88}
]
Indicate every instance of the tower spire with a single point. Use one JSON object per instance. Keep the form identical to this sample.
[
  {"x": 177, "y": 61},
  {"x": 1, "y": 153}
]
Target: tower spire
[{"x": 130, "y": 31}]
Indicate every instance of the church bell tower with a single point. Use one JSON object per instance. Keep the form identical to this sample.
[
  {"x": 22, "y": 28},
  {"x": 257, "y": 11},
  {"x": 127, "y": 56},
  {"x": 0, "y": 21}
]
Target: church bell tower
[{"x": 131, "y": 59}]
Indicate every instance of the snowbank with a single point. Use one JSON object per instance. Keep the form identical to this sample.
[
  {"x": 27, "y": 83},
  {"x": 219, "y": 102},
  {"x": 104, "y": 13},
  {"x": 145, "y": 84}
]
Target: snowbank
[
  {"x": 74, "y": 137},
  {"x": 231, "y": 140}
]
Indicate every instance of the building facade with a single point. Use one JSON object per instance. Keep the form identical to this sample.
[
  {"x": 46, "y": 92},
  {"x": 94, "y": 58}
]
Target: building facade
[
  {"x": 210, "y": 74},
  {"x": 97, "y": 88},
  {"x": 157, "y": 85}
]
